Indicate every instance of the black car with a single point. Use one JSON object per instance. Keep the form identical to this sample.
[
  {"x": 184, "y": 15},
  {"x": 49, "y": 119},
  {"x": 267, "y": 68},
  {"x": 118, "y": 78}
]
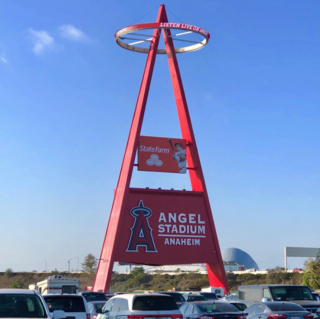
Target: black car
[
  {"x": 94, "y": 296},
  {"x": 194, "y": 297},
  {"x": 218, "y": 310},
  {"x": 177, "y": 296}
]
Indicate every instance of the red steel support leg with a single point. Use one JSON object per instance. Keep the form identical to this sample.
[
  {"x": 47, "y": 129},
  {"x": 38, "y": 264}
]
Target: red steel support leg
[
  {"x": 216, "y": 272},
  {"x": 106, "y": 261}
]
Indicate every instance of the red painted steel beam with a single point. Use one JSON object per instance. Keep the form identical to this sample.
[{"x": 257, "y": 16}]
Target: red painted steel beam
[
  {"x": 106, "y": 261},
  {"x": 216, "y": 273}
]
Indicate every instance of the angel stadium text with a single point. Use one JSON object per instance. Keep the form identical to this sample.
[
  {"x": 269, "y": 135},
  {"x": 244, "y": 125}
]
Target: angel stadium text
[
  {"x": 182, "y": 241},
  {"x": 181, "y": 229},
  {"x": 181, "y": 218}
]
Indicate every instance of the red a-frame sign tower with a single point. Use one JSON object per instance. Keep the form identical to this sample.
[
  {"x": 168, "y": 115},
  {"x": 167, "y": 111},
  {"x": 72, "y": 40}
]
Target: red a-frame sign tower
[{"x": 153, "y": 226}]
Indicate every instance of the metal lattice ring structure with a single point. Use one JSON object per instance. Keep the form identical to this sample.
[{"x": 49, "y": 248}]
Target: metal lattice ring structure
[{"x": 133, "y": 33}]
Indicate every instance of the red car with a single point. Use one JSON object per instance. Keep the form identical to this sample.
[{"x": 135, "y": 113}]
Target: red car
[{"x": 297, "y": 270}]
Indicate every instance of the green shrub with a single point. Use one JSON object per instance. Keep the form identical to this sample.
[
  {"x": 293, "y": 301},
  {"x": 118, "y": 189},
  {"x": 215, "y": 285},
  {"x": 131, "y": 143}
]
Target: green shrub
[
  {"x": 9, "y": 273},
  {"x": 17, "y": 284}
]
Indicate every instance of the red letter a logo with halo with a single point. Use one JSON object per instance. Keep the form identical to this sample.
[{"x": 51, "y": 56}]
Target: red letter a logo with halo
[{"x": 141, "y": 231}]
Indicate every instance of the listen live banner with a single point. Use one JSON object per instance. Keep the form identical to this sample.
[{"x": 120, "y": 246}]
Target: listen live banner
[
  {"x": 164, "y": 227},
  {"x": 160, "y": 154}
]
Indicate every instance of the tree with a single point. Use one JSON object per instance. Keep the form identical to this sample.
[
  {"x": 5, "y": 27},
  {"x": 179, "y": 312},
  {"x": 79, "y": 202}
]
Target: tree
[
  {"x": 232, "y": 279},
  {"x": 55, "y": 272},
  {"x": 17, "y": 284},
  {"x": 137, "y": 270},
  {"x": 276, "y": 275},
  {"x": 89, "y": 264},
  {"x": 311, "y": 276},
  {"x": 9, "y": 273}
]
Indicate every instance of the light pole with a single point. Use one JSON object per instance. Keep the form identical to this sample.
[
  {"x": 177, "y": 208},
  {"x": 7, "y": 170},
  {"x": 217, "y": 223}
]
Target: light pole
[
  {"x": 78, "y": 263},
  {"x": 69, "y": 264},
  {"x": 46, "y": 264}
]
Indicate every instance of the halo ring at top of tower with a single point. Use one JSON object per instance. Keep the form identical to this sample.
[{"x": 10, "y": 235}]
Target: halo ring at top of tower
[{"x": 132, "y": 39}]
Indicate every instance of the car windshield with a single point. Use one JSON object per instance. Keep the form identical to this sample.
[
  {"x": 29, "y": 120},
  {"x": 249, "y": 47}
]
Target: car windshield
[
  {"x": 21, "y": 306},
  {"x": 197, "y": 298},
  {"x": 284, "y": 293},
  {"x": 217, "y": 307},
  {"x": 209, "y": 295},
  {"x": 154, "y": 303},
  {"x": 95, "y": 296},
  {"x": 281, "y": 306},
  {"x": 99, "y": 306},
  {"x": 65, "y": 303},
  {"x": 176, "y": 296},
  {"x": 240, "y": 306}
]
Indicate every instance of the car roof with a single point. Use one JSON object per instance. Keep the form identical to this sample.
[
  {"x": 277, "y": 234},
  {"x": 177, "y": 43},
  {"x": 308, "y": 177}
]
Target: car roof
[
  {"x": 91, "y": 292},
  {"x": 17, "y": 291},
  {"x": 267, "y": 303},
  {"x": 63, "y": 295},
  {"x": 210, "y": 302},
  {"x": 207, "y": 302},
  {"x": 168, "y": 293},
  {"x": 271, "y": 285},
  {"x": 130, "y": 297}
]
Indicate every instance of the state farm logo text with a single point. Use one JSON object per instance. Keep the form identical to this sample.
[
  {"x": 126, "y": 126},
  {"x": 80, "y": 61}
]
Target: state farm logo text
[{"x": 152, "y": 149}]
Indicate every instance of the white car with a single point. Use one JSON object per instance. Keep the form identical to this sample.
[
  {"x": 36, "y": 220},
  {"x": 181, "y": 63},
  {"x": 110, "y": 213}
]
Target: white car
[
  {"x": 133, "y": 306},
  {"x": 95, "y": 307},
  {"x": 25, "y": 303},
  {"x": 75, "y": 306}
]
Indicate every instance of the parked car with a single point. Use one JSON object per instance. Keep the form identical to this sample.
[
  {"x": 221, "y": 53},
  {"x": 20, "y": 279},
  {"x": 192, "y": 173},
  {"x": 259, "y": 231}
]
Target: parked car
[
  {"x": 297, "y": 270},
  {"x": 230, "y": 297},
  {"x": 25, "y": 303},
  {"x": 73, "y": 305},
  {"x": 194, "y": 297},
  {"x": 315, "y": 296},
  {"x": 133, "y": 306},
  {"x": 209, "y": 295},
  {"x": 277, "y": 310},
  {"x": 240, "y": 304},
  {"x": 298, "y": 294},
  {"x": 95, "y": 307},
  {"x": 205, "y": 309},
  {"x": 94, "y": 296},
  {"x": 177, "y": 296}
]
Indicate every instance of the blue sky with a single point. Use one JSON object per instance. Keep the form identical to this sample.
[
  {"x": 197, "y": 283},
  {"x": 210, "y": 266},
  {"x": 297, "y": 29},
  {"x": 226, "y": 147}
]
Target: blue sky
[{"x": 67, "y": 98}]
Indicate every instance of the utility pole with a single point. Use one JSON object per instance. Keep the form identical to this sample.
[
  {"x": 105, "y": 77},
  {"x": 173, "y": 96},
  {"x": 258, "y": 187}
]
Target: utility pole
[
  {"x": 69, "y": 264},
  {"x": 78, "y": 263}
]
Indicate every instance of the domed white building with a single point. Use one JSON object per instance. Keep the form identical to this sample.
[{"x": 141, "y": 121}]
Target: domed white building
[{"x": 235, "y": 259}]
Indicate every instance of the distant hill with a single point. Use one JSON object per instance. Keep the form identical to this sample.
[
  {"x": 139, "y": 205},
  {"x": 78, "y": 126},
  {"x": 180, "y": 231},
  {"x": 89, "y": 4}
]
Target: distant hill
[{"x": 139, "y": 280}]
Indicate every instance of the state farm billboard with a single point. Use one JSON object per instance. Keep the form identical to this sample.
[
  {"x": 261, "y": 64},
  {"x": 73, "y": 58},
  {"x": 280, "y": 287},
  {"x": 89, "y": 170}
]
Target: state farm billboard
[
  {"x": 160, "y": 154},
  {"x": 162, "y": 227}
]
